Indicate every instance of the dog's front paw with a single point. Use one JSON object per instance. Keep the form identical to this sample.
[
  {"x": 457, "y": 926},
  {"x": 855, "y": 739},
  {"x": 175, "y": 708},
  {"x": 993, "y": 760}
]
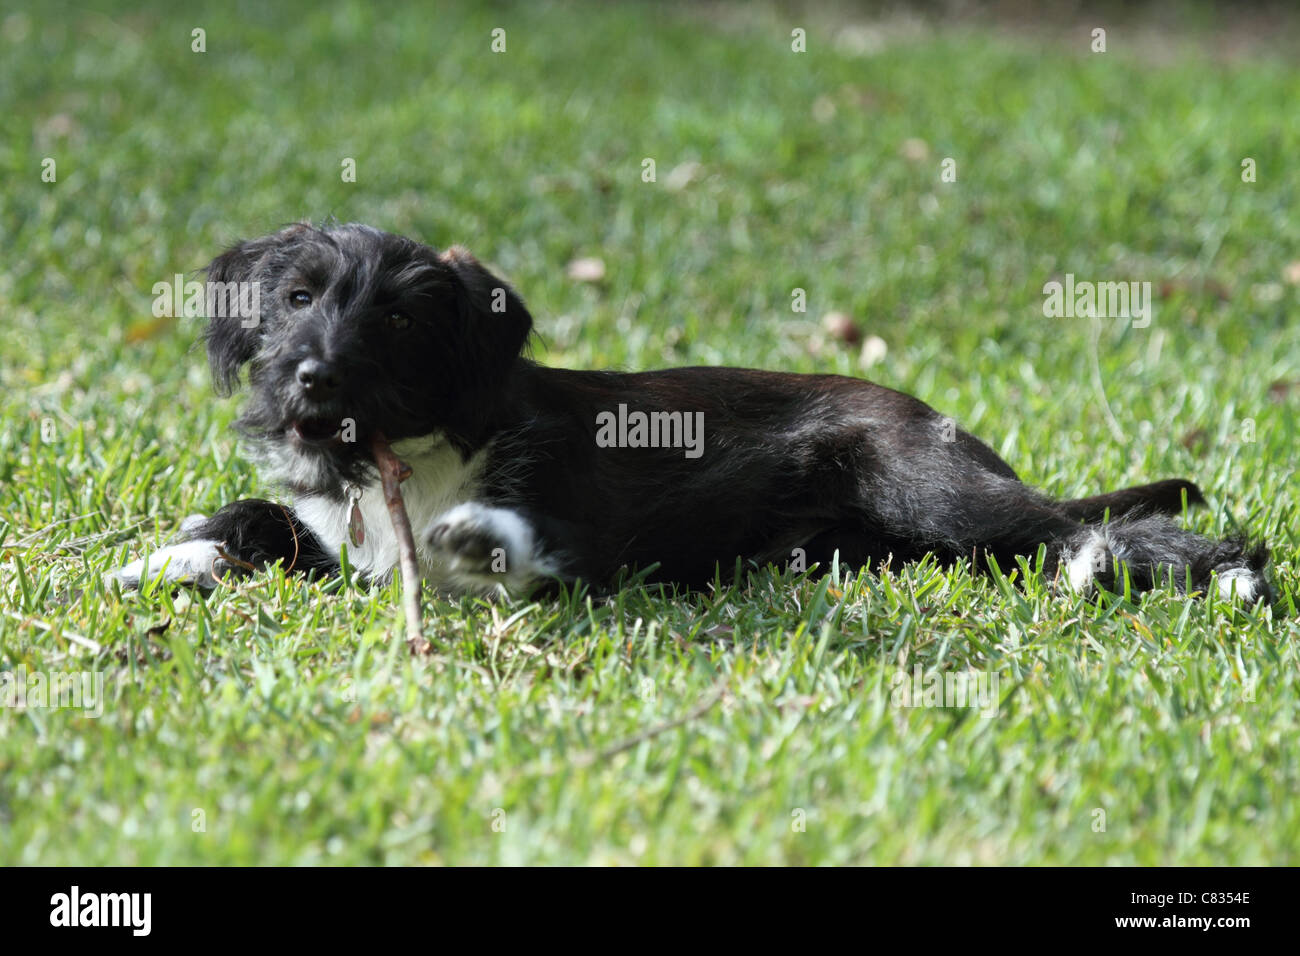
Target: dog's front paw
[
  {"x": 470, "y": 538},
  {"x": 197, "y": 563},
  {"x": 482, "y": 545}
]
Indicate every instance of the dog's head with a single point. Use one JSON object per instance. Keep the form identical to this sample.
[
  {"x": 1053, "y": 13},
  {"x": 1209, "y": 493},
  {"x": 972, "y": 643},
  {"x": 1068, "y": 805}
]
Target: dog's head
[{"x": 359, "y": 331}]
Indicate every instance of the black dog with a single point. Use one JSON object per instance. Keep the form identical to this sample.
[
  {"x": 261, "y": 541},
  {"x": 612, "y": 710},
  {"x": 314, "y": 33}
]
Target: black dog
[{"x": 523, "y": 475}]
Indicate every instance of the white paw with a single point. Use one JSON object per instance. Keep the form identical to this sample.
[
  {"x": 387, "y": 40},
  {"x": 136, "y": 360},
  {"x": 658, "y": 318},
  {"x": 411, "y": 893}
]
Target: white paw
[
  {"x": 1083, "y": 566},
  {"x": 191, "y": 562},
  {"x": 479, "y": 546},
  {"x": 1242, "y": 584}
]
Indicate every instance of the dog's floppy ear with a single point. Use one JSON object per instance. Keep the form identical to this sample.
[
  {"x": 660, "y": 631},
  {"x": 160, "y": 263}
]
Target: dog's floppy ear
[
  {"x": 232, "y": 340},
  {"x": 495, "y": 319}
]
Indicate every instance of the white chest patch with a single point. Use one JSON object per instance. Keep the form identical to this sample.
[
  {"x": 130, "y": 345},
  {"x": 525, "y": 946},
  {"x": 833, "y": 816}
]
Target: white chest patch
[{"x": 440, "y": 479}]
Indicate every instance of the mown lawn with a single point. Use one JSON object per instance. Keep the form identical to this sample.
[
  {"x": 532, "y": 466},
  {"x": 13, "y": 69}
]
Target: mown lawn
[{"x": 285, "y": 722}]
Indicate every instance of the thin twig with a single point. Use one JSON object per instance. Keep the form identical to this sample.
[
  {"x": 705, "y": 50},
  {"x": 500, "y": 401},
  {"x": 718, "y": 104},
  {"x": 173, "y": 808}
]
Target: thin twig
[
  {"x": 294, "y": 531},
  {"x": 50, "y": 528},
  {"x": 392, "y": 472},
  {"x": 696, "y": 712},
  {"x": 705, "y": 705},
  {"x": 75, "y": 638}
]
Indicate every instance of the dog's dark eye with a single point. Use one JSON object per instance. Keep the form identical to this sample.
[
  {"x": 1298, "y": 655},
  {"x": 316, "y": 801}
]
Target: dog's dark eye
[
  {"x": 398, "y": 320},
  {"x": 300, "y": 298}
]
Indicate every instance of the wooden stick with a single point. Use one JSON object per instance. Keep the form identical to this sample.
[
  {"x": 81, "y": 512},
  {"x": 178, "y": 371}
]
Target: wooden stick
[{"x": 392, "y": 472}]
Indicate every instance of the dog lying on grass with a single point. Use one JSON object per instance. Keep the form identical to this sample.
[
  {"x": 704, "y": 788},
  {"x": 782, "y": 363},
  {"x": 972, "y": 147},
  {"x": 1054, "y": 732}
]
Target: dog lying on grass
[{"x": 524, "y": 476}]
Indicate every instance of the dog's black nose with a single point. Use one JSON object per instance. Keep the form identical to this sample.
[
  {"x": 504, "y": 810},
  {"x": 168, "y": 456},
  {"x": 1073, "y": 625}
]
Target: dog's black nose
[{"x": 319, "y": 380}]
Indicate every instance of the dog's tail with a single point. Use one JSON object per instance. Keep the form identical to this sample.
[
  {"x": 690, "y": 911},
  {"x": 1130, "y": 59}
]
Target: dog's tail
[{"x": 1158, "y": 497}]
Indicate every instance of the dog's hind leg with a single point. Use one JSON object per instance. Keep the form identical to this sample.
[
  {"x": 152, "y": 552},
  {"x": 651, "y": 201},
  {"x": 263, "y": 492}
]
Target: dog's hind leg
[
  {"x": 240, "y": 538},
  {"x": 1153, "y": 549},
  {"x": 953, "y": 497},
  {"x": 959, "y": 510}
]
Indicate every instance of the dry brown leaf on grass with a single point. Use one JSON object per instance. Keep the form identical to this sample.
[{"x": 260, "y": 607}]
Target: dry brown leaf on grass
[{"x": 840, "y": 326}]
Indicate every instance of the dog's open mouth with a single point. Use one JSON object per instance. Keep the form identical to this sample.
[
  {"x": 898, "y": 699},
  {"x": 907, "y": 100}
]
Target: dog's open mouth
[{"x": 317, "y": 431}]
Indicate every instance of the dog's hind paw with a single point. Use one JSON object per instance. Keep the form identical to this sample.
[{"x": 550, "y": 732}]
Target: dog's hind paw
[{"x": 1247, "y": 585}]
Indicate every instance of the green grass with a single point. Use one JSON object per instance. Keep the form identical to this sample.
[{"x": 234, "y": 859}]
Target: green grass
[{"x": 653, "y": 727}]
